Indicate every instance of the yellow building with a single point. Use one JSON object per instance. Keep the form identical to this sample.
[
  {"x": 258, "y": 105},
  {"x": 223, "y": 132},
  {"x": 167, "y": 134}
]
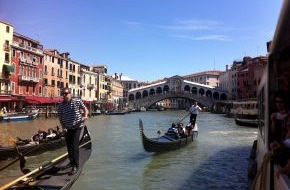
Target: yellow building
[
  {"x": 117, "y": 93},
  {"x": 74, "y": 77},
  {"x": 89, "y": 83},
  {"x": 6, "y": 38}
]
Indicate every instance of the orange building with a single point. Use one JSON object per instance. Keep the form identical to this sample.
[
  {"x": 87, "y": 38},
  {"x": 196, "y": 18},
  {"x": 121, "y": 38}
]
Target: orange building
[{"x": 55, "y": 73}]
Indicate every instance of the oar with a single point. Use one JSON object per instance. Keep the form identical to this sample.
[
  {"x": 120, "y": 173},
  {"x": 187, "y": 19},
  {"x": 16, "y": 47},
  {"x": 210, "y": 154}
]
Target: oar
[{"x": 183, "y": 118}]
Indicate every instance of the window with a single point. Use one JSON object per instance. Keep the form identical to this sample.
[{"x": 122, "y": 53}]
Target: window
[
  {"x": 40, "y": 90},
  {"x": 40, "y": 74},
  {"x": 13, "y": 87},
  {"x": 14, "y": 53},
  {"x": 27, "y": 89},
  {"x": 20, "y": 89},
  {"x": 6, "y": 57},
  {"x": 7, "y": 29}
]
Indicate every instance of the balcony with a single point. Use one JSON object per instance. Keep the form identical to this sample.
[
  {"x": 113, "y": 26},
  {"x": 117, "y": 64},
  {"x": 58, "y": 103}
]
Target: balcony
[
  {"x": 90, "y": 86},
  {"x": 6, "y": 92},
  {"x": 23, "y": 78},
  {"x": 6, "y": 47},
  {"x": 34, "y": 63},
  {"x": 29, "y": 48}
]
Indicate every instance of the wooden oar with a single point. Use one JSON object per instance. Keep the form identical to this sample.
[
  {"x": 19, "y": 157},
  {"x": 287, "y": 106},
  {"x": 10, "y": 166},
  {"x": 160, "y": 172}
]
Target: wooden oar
[{"x": 183, "y": 118}]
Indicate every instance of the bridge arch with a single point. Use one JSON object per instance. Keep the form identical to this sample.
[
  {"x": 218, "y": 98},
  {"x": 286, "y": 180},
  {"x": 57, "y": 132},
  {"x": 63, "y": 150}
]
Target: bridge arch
[{"x": 178, "y": 86}]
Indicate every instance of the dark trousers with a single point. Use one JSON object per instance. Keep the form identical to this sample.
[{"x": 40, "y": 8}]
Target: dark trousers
[
  {"x": 193, "y": 119},
  {"x": 72, "y": 137}
]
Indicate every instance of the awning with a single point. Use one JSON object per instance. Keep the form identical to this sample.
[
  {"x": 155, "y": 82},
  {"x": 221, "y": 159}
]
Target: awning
[
  {"x": 43, "y": 100},
  {"x": 9, "y": 99},
  {"x": 5, "y": 99},
  {"x": 8, "y": 68},
  {"x": 87, "y": 101}
]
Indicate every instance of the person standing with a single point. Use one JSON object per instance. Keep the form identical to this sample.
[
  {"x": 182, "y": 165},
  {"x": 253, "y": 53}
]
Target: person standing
[
  {"x": 193, "y": 113},
  {"x": 72, "y": 114}
]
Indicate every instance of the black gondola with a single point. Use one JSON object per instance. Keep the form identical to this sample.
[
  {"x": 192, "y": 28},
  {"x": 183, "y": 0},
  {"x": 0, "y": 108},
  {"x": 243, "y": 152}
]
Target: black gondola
[
  {"x": 246, "y": 122},
  {"x": 53, "y": 175},
  {"x": 164, "y": 143},
  {"x": 28, "y": 149}
]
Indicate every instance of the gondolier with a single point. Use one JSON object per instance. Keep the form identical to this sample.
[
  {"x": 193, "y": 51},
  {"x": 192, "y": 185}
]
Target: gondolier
[
  {"x": 72, "y": 113},
  {"x": 193, "y": 113}
]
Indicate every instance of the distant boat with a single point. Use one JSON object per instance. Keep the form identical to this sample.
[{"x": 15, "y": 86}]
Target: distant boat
[
  {"x": 244, "y": 109},
  {"x": 142, "y": 109},
  {"x": 19, "y": 117},
  {"x": 116, "y": 113},
  {"x": 246, "y": 122}
]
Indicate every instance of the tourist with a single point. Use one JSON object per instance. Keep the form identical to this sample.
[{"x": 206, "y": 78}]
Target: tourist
[
  {"x": 173, "y": 132},
  {"x": 51, "y": 134},
  {"x": 72, "y": 114},
  {"x": 279, "y": 118}
]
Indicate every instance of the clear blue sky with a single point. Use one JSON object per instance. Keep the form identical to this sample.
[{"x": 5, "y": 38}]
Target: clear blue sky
[{"x": 148, "y": 39}]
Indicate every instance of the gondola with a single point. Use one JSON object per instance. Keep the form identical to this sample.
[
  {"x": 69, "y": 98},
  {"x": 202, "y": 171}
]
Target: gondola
[
  {"x": 19, "y": 117},
  {"x": 246, "y": 122},
  {"x": 164, "y": 143},
  {"x": 27, "y": 148},
  {"x": 54, "y": 175}
]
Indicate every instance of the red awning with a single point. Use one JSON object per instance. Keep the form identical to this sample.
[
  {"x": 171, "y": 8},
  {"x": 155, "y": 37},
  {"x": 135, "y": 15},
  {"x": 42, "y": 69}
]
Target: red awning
[
  {"x": 5, "y": 99},
  {"x": 9, "y": 99}
]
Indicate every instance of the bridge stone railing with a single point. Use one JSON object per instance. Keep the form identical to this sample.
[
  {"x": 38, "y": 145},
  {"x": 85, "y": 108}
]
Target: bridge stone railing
[{"x": 151, "y": 99}]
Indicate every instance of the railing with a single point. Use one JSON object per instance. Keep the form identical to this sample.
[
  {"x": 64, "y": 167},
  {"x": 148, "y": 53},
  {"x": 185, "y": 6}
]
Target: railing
[
  {"x": 29, "y": 48},
  {"x": 6, "y": 47},
  {"x": 90, "y": 86},
  {"x": 6, "y": 92},
  {"x": 28, "y": 78}
]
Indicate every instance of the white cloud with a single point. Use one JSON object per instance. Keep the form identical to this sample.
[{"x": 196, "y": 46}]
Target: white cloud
[
  {"x": 206, "y": 37},
  {"x": 193, "y": 25}
]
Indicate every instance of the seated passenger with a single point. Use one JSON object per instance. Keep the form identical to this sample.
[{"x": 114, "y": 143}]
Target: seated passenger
[
  {"x": 173, "y": 132},
  {"x": 51, "y": 134},
  {"x": 181, "y": 130},
  {"x": 41, "y": 135}
]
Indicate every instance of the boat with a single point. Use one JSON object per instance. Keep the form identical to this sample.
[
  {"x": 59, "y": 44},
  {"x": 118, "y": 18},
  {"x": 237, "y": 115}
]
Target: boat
[
  {"x": 54, "y": 175},
  {"x": 275, "y": 79},
  {"x": 246, "y": 122},
  {"x": 28, "y": 148},
  {"x": 244, "y": 109},
  {"x": 116, "y": 113},
  {"x": 19, "y": 117},
  {"x": 164, "y": 142}
]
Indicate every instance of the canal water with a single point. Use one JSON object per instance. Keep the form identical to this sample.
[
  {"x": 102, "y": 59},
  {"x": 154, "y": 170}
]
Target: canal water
[{"x": 216, "y": 160}]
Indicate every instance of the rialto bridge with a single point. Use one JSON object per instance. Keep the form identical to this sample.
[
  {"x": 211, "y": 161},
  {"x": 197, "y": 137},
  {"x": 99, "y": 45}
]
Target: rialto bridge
[{"x": 174, "y": 87}]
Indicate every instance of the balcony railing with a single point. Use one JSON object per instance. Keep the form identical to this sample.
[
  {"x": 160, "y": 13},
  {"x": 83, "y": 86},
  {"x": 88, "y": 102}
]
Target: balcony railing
[
  {"x": 26, "y": 47},
  {"x": 90, "y": 86},
  {"x": 6, "y": 92},
  {"x": 28, "y": 79},
  {"x": 6, "y": 47}
]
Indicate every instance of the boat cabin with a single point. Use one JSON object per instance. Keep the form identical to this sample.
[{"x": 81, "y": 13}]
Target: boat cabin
[{"x": 273, "y": 101}]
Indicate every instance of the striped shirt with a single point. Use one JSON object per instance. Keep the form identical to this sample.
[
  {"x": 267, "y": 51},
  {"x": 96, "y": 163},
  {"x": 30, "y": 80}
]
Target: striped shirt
[{"x": 70, "y": 113}]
